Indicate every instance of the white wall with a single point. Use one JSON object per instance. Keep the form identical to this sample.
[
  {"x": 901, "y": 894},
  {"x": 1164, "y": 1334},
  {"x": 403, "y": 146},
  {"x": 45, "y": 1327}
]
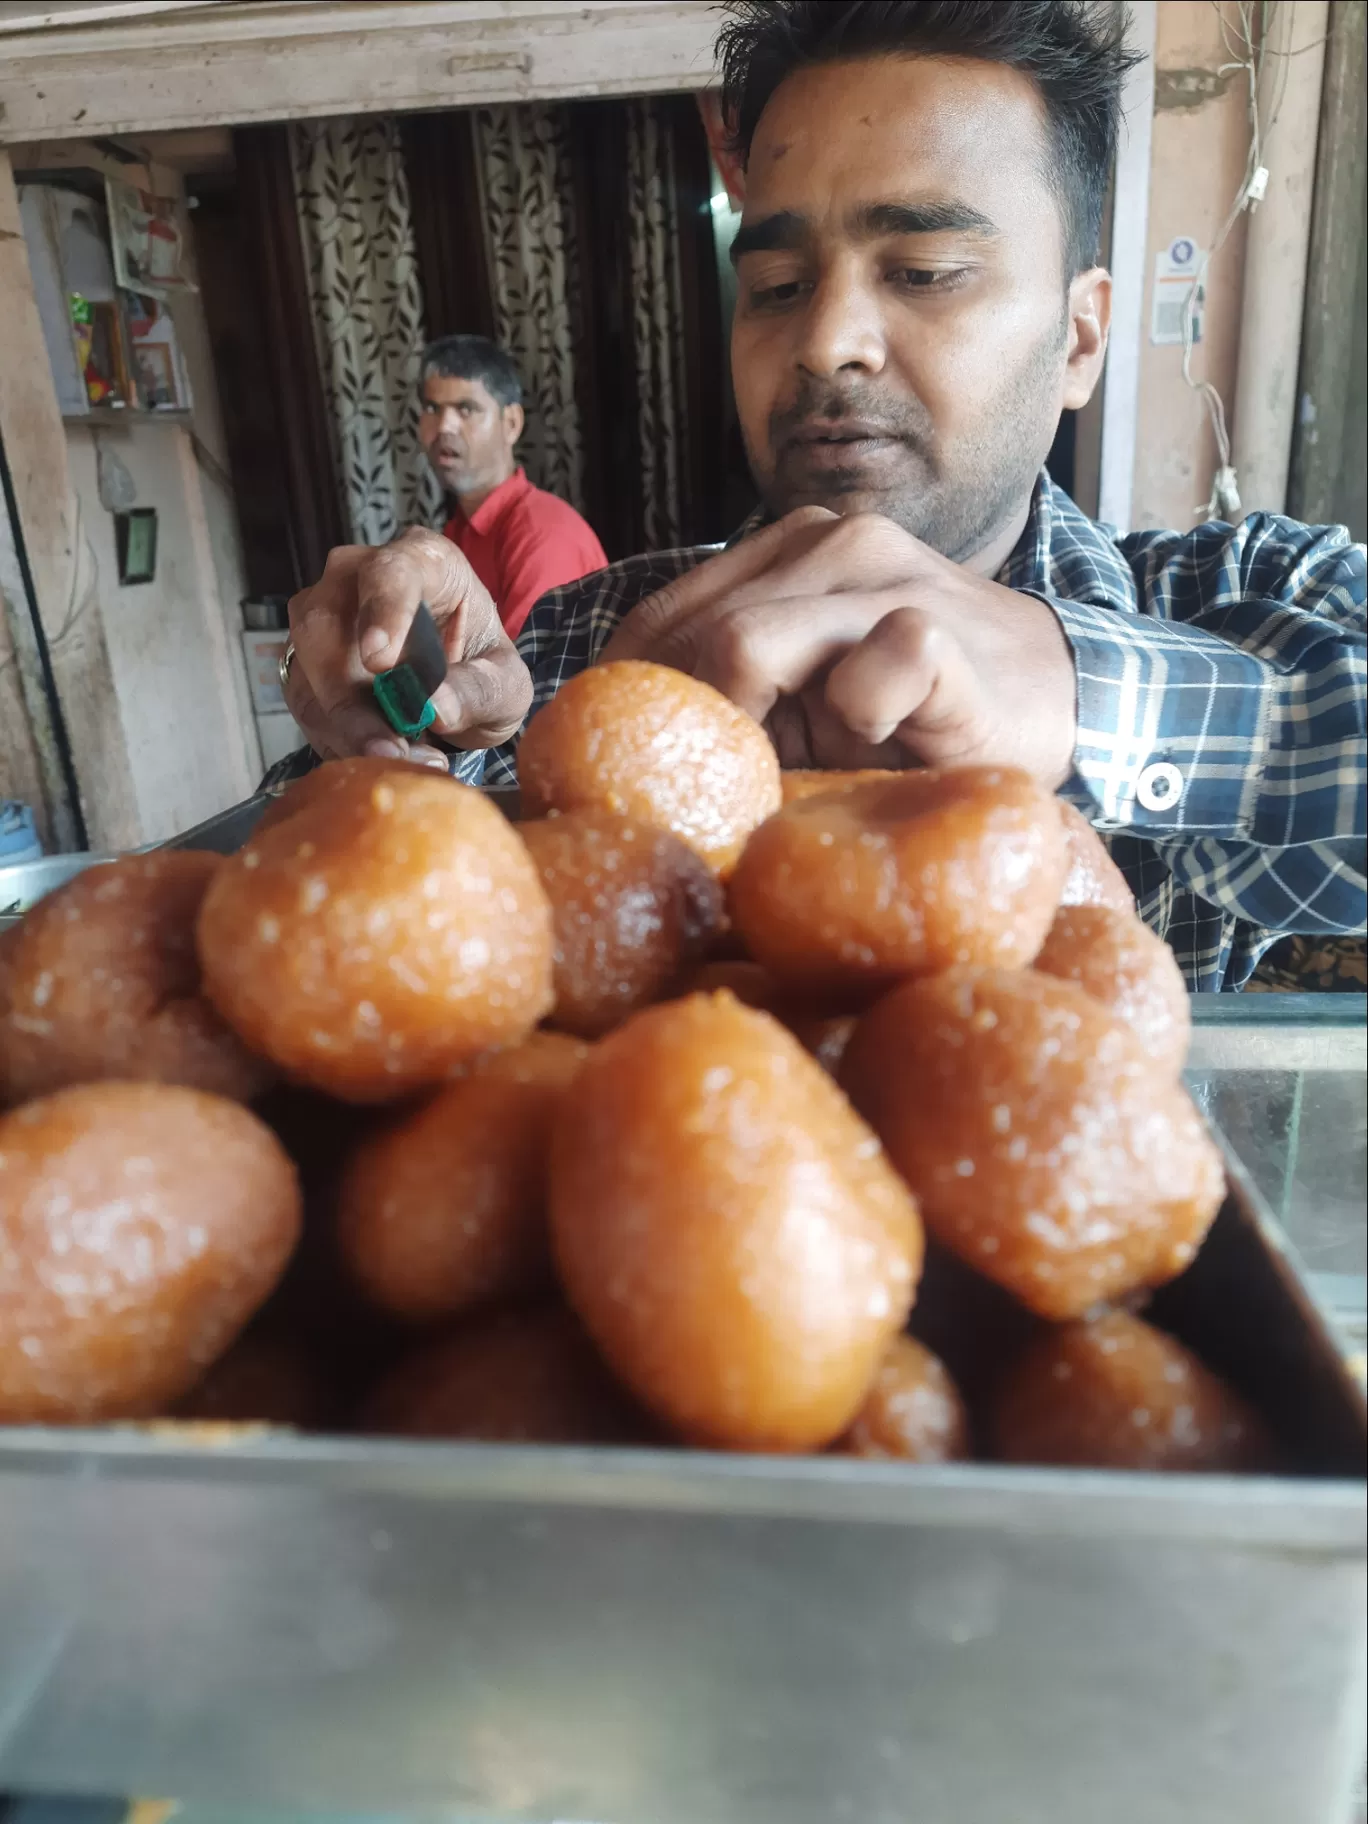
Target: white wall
[{"x": 175, "y": 655}]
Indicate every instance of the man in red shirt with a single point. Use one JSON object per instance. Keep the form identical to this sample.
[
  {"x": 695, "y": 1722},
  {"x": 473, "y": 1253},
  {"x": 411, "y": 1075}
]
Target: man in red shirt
[{"x": 519, "y": 540}]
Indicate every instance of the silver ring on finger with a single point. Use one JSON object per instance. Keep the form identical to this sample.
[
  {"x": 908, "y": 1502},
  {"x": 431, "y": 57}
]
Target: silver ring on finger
[{"x": 284, "y": 663}]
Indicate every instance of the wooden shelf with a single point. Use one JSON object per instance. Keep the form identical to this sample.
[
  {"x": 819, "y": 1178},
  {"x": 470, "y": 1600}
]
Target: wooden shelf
[{"x": 102, "y": 416}]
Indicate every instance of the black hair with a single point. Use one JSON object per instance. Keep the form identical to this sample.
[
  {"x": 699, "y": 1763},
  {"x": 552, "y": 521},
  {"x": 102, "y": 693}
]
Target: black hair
[
  {"x": 473, "y": 358},
  {"x": 1074, "y": 50}
]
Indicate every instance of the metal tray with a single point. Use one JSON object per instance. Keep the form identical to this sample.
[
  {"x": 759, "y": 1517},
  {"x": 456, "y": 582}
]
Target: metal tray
[{"x": 651, "y": 1637}]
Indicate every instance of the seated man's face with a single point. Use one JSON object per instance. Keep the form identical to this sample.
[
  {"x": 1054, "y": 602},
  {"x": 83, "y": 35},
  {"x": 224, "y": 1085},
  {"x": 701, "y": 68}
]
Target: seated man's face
[
  {"x": 904, "y": 337},
  {"x": 467, "y": 436}
]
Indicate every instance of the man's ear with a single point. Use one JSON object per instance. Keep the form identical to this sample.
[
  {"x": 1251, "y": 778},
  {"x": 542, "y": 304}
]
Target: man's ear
[
  {"x": 1089, "y": 322},
  {"x": 513, "y": 423}
]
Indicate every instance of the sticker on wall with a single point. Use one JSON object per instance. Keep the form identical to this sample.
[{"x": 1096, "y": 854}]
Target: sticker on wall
[{"x": 1176, "y": 271}]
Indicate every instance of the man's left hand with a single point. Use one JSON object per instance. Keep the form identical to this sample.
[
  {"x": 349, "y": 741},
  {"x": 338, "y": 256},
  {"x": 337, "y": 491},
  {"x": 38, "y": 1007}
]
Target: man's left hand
[{"x": 856, "y": 645}]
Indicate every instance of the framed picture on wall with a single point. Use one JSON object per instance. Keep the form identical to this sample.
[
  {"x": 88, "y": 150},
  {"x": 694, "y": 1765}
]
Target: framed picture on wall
[{"x": 135, "y": 544}]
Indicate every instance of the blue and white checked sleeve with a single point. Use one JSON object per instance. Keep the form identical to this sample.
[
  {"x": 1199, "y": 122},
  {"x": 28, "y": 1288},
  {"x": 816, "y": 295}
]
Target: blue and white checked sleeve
[{"x": 1225, "y": 720}]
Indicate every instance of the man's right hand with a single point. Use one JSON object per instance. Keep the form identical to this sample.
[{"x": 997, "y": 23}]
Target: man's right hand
[{"x": 351, "y": 625}]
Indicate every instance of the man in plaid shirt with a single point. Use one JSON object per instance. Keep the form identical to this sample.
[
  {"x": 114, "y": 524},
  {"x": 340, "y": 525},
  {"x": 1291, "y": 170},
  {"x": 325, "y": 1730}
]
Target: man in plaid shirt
[{"x": 917, "y": 301}]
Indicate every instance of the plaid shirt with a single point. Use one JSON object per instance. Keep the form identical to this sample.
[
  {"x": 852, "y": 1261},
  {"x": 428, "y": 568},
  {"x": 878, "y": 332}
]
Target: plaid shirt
[{"x": 1221, "y": 688}]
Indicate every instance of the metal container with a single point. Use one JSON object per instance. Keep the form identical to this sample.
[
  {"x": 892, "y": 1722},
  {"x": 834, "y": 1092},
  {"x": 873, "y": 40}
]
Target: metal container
[
  {"x": 662, "y": 1637},
  {"x": 26, "y": 882}
]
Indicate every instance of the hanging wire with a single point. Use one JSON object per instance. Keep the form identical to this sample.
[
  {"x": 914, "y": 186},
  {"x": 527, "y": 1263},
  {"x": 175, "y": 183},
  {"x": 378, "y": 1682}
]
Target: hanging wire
[{"x": 1248, "y": 29}]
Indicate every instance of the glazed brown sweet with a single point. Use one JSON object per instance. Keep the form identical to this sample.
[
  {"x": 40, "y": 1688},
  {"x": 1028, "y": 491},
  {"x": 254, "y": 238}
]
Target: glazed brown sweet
[
  {"x": 913, "y": 1410},
  {"x": 445, "y": 1208},
  {"x": 262, "y": 1380},
  {"x": 859, "y": 888},
  {"x": 1115, "y": 1393},
  {"x": 512, "y": 1377},
  {"x": 798, "y": 783},
  {"x": 646, "y": 742},
  {"x": 1045, "y": 1147},
  {"x": 141, "y": 1225},
  {"x": 632, "y": 906},
  {"x": 728, "y": 1229},
  {"x": 101, "y": 981},
  {"x": 1122, "y": 964},
  {"x": 1093, "y": 878},
  {"x": 375, "y": 940},
  {"x": 317, "y": 786}
]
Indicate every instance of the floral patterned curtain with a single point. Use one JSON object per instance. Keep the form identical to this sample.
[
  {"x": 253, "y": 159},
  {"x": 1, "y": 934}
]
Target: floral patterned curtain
[
  {"x": 352, "y": 199},
  {"x": 658, "y": 327},
  {"x": 522, "y": 155}
]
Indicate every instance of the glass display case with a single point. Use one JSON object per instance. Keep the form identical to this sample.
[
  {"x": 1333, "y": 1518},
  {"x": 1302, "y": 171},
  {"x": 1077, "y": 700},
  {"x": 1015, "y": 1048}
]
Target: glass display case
[{"x": 290, "y": 1624}]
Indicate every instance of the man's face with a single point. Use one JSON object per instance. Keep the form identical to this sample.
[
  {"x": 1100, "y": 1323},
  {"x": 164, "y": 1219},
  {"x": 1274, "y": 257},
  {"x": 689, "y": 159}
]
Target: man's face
[
  {"x": 467, "y": 436},
  {"x": 903, "y": 342}
]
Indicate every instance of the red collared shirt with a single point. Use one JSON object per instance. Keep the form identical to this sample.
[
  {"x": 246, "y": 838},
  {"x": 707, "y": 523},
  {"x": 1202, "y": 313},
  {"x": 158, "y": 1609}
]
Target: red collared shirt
[{"x": 521, "y": 542}]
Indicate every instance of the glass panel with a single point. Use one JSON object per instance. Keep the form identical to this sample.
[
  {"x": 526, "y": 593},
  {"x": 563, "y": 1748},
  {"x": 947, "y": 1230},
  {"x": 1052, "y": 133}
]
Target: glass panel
[{"x": 1284, "y": 1079}]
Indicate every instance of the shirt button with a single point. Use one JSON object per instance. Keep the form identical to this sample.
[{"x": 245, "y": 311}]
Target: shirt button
[{"x": 1160, "y": 786}]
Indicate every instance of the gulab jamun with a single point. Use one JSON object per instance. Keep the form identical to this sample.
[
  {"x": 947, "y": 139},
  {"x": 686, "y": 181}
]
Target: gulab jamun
[
  {"x": 509, "y": 1377},
  {"x": 1122, "y": 964},
  {"x": 377, "y": 939},
  {"x": 857, "y": 889},
  {"x": 1045, "y": 1147},
  {"x": 913, "y": 1410},
  {"x": 646, "y": 742},
  {"x": 727, "y": 1227},
  {"x": 102, "y": 981},
  {"x": 798, "y": 782},
  {"x": 141, "y": 1225},
  {"x": 1093, "y": 878},
  {"x": 632, "y": 907},
  {"x": 444, "y": 1208},
  {"x": 1112, "y": 1392}
]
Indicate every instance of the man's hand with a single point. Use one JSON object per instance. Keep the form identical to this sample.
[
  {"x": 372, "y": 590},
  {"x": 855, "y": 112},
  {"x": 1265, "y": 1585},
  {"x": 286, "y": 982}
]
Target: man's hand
[
  {"x": 859, "y": 646},
  {"x": 352, "y": 624}
]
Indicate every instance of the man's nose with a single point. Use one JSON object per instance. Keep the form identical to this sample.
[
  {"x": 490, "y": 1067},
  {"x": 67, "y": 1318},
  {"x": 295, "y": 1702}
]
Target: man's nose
[
  {"x": 449, "y": 421},
  {"x": 842, "y": 327}
]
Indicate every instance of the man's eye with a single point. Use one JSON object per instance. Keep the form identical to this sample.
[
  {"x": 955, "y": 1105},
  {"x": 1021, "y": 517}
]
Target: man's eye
[
  {"x": 928, "y": 278},
  {"x": 774, "y": 297}
]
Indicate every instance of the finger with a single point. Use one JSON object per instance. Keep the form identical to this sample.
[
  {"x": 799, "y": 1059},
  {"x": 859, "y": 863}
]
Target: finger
[
  {"x": 911, "y": 679},
  {"x": 755, "y": 655},
  {"x": 351, "y": 726},
  {"x": 419, "y": 566},
  {"x": 417, "y": 753},
  {"x": 484, "y": 700},
  {"x": 861, "y": 552},
  {"x": 659, "y": 621}
]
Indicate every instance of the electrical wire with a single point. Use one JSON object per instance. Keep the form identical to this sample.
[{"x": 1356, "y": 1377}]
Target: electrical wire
[
  {"x": 1248, "y": 39},
  {"x": 61, "y": 739}
]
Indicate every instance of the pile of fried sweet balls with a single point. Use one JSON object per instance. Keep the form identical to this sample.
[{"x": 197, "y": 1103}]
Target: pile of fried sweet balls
[{"x": 637, "y": 1121}]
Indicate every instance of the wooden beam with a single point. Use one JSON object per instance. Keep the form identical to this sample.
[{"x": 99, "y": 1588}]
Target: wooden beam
[
  {"x": 1330, "y": 408},
  {"x": 244, "y": 64},
  {"x": 62, "y": 568}
]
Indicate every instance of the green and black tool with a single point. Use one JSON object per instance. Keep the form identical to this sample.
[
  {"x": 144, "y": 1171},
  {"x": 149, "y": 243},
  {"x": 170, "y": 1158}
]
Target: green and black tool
[{"x": 405, "y": 693}]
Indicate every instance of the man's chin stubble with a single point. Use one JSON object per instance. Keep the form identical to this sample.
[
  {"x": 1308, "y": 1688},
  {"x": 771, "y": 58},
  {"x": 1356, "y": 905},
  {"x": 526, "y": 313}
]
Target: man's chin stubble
[{"x": 958, "y": 531}]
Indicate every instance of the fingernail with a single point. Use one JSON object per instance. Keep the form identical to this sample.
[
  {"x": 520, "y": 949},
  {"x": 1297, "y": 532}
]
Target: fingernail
[
  {"x": 447, "y": 705},
  {"x": 429, "y": 756},
  {"x": 386, "y": 750},
  {"x": 374, "y": 643}
]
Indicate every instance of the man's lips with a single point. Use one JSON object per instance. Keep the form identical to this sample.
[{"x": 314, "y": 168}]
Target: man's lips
[
  {"x": 842, "y": 430},
  {"x": 831, "y": 445}
]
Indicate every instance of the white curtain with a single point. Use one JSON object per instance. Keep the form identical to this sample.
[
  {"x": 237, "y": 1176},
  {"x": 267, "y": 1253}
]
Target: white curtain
[
  {"x": 352, "y": 198},
  {"x": 522, "y": 155},
  {"x": 658, "y": 330}
]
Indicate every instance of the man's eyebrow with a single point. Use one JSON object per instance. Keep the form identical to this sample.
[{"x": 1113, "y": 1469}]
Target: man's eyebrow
[
  {"x": 877, "y": 219},
  {"x": 786, "y": 230},
  {"x": 772, "y": 233}
]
